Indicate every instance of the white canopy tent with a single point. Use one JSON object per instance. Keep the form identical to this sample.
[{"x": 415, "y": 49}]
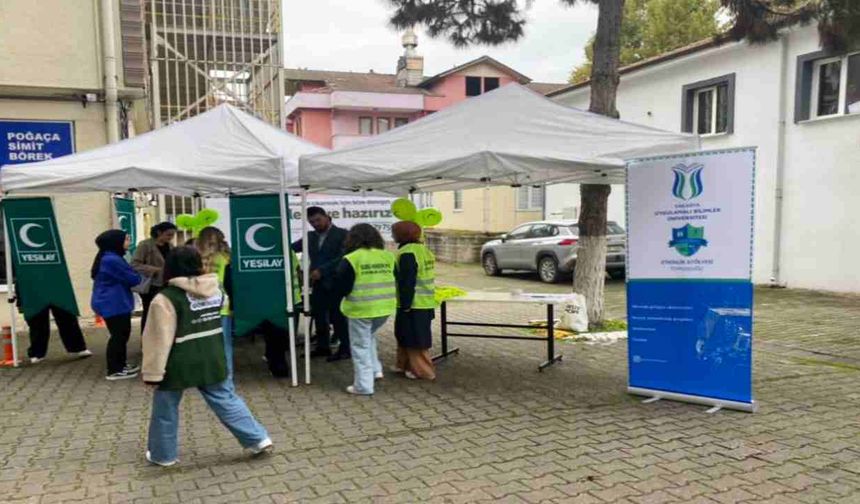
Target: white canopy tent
[
  {"x": 222, "y": 151},
  {"x": 510, "y": 136}
]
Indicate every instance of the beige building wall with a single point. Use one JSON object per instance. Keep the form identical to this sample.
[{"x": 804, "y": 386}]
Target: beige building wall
[
  {"x": 50, "y": 55},
  {"x": 503, "y": 214}
]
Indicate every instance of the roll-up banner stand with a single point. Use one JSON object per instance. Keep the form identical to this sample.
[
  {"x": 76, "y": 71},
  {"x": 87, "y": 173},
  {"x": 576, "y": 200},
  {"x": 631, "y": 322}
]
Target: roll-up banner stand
[{"x": 689, "y": 277}]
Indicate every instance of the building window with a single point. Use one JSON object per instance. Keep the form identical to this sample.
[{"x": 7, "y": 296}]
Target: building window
[
  {"x": 836, "y": 86},
  {"x": 490, "y": 83},
  {"x": 530, "y": 198},
  {"x": 425, "y": 200},
  {"x": 383, "y": 124},
  {"x": 827, "y": 85},
  {"x": 708, "y": 106},
  {"x": 400, "y": 121},
  {"x": 473, "y": 86},
  {"x": 365, "y": 126},
  {"x": 458, "y": 200}
]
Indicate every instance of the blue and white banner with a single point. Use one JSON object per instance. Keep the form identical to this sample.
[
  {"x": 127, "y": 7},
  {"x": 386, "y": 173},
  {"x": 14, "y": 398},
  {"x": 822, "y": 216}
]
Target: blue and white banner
[
  {"x": 31, "y": 141},
  {"x": 689, "y": 270}
]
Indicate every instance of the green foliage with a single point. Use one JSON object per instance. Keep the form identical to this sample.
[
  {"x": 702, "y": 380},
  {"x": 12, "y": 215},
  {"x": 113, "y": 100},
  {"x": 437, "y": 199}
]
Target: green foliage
[
  {"x": 653, "y": 27},
  {"x": 609, "y": 325}
]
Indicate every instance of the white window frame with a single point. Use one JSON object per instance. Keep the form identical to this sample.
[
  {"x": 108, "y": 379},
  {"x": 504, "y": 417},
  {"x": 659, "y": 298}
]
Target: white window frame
[
  {"x": 425, "y": 200},
  {"x": 714, "y": 109},
  {"x": 843, "y": 85},
  {"x": 371, "y": 125},
  {"x": 528, "y": 205},
  {"x": 458, "y": 197},
  {"x": 816, "y": 85}
]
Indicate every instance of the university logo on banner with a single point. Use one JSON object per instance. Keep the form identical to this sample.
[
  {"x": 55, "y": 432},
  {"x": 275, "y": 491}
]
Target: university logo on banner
[
  {"x": 688, "y": 181},
  {"x": 260, "y": 245},
  {"x": 35, "y": 241}
]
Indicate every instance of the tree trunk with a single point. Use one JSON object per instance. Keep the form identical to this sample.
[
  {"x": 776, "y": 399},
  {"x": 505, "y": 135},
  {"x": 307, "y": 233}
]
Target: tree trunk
[{"x": 590, "y": 270}]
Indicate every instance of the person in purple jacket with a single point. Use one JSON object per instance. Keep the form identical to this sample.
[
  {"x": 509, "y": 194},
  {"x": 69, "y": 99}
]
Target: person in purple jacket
[{"x": 112, "y": 299}]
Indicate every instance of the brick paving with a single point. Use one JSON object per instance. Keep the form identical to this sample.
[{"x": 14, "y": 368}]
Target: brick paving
[{"x": 491, "y": 429}]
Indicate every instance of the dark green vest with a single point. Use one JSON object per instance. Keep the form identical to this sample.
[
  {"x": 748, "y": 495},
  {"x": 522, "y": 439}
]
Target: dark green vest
[{"x": 197, "y": 357}]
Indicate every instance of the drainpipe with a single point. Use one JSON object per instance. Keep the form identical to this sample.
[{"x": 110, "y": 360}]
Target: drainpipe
[
  {"x": 775, "y": 277},
  {"x": 110, "y": 75}
]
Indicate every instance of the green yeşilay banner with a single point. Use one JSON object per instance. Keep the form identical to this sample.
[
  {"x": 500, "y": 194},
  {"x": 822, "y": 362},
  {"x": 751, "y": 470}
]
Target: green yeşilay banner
[
  {"x": 257, "y": 263},
  {"x": 125, "y": 219},
  {"x": 41, "y": 275}
]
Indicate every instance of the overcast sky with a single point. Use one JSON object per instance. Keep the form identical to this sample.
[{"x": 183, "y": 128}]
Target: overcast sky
[{"x": 354, "y": 35}]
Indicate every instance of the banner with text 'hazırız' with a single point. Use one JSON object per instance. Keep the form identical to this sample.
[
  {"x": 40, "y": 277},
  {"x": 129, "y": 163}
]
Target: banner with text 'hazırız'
[{"x": 689, "y": 271}]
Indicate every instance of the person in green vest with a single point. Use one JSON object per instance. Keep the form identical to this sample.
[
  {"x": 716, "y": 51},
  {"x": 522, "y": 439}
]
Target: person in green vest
[
  {"x": 366, "y": 281},
  {"x": 183, "y": 348},
  {"x": 416, "y": 303}
]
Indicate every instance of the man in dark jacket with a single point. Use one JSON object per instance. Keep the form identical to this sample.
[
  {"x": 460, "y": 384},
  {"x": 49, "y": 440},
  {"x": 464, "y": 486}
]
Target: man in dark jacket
[{"x": 326, "y": 247}]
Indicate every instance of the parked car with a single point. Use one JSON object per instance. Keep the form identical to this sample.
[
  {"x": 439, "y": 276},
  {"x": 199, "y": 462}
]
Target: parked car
[{"x": 549, "y": 248}]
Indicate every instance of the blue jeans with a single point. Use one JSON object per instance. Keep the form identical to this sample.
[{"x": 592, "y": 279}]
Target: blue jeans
[
  {"x": 231, "y": 410},
  {"x": 365, "y": 356}
]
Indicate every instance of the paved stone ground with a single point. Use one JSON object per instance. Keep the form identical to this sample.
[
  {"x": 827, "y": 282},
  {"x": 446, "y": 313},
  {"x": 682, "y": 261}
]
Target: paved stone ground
[{"x": 491, "y": 429}]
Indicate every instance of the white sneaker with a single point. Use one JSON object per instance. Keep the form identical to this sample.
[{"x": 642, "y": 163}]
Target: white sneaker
[
  {"x": 122, "y": 375},
  {"x": 351, "y": 390},
  {"x": 36, "y": 360},
  {"x": 83, "y": 354},
  {"x": 131, "y": 368},
  {"x": 378, "y": 376},
  {"x": 263, "y": 447},
  {"x": 162, "y": 464},
  {"x": 410, "y": 375}
]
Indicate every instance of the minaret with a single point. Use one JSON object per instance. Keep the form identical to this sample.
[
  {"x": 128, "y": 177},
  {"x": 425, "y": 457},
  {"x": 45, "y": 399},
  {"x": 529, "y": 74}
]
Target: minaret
[{"x": 410, "y": 66}]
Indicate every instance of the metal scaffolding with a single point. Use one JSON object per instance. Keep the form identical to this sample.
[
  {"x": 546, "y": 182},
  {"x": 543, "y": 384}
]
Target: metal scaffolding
[{"x": 203, "y": 53}]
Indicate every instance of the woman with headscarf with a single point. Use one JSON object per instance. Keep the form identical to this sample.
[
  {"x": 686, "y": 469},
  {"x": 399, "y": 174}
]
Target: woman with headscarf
[
  {"x": 112, "y": 299},
  {"x": 149, "y": 261},
  {"x": 416, "y": 303}
]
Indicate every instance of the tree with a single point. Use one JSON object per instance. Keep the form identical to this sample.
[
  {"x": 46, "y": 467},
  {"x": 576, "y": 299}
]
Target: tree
[
  {"x": 653, "y": 27},
  {"x": 492, "y": 22}
]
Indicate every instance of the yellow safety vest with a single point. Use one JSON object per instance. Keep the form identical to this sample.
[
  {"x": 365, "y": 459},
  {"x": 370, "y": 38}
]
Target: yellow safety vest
[
  {"x": 374, "y": 293},
  {"x": 425, "y": 286}
]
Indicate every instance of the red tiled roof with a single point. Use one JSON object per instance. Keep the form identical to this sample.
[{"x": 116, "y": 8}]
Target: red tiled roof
[{"x": 369, "y": 82}]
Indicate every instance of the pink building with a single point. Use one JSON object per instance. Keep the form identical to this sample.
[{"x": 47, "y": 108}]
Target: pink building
[{"x": 334, "y": 109}]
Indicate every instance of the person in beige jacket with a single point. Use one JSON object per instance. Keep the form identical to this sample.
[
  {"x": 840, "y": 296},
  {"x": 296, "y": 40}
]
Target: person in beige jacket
[
  {"x": 149, "y": 260},
  {"x": 183, "y": 348}
]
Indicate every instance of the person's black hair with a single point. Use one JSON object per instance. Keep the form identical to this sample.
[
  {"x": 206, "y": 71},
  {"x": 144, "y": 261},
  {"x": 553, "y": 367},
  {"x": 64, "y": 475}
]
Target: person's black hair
[
  {"x": 162, "y": 227},
  {"x": 363, "y": 236},
  {"x": 112, "y": 240},
  {"x": 183, "y": 262},
  {"x": 315, "y": 210}
]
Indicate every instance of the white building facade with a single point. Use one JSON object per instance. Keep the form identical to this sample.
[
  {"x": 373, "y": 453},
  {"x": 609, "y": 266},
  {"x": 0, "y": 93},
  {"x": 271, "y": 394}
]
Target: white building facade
[{"x": 800, "y": 106}]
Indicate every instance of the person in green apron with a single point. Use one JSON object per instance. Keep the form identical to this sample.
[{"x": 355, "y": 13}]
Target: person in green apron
[
  {"x": 183, "y": 348},
  {"x": 366, "y": 279}
]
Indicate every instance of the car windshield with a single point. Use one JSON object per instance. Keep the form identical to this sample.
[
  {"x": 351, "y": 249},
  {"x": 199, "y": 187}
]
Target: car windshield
[{"x": 611, "y": 229}]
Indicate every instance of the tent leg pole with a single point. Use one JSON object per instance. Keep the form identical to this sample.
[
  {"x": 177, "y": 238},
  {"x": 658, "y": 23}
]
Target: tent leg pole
[
  {"x": 306, "y": 286},
  {"x": 288, "y": 276},
  {"x": 10, "y": 294}
]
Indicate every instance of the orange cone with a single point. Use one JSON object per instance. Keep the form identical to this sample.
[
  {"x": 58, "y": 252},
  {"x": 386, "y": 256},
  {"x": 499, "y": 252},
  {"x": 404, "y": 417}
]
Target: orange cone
[{"x": 8, "y": 354}]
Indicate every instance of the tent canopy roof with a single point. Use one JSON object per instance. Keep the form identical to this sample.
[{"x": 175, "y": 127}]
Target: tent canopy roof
[
  {"x": 223, "y": 150},
  {"x": 510, "y": 136}
]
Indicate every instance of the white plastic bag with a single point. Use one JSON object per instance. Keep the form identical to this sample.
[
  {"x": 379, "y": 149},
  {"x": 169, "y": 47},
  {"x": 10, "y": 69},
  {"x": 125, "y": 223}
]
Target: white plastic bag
[{"x": 575, "y": 315}]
